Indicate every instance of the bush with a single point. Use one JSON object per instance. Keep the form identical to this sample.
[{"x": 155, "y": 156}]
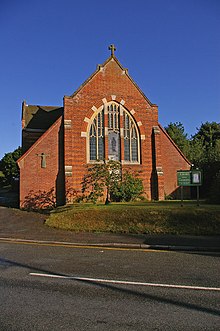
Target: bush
[
  {"x": 105, "y": 180},
  {"x": 129, "y": 189}
]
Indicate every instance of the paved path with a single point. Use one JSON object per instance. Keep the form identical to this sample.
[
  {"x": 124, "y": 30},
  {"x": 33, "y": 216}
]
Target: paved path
[{"x": 17, "y": 224}]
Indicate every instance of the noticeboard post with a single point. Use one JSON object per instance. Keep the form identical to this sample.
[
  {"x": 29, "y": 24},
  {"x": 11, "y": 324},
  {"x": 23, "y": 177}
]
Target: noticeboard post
[{"x": 189, "y": 178}]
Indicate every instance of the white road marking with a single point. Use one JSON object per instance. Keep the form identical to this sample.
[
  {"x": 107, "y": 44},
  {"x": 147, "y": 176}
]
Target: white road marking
[{"x": 122, "y": 282}]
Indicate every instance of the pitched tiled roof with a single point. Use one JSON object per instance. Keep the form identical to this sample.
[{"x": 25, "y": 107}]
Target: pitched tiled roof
[{"x": 39, "y": 117}]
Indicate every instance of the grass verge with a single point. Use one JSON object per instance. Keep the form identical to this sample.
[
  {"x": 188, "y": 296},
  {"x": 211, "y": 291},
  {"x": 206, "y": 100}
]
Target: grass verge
[{"x": 139, "y": 218}]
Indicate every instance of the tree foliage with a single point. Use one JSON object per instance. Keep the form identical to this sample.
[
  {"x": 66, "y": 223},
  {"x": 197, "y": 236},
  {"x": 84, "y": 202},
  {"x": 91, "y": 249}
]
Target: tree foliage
[
  {"x": 203, "y": 150},
  {"x": 8, "y": 166},
  {"x": 177, "y": 133},
  {"x": 100, "y": 179},
  {"x": 208, "y": 134},
  {"x": 129, "y": 188},
  {"x": 105, "y": 180}
]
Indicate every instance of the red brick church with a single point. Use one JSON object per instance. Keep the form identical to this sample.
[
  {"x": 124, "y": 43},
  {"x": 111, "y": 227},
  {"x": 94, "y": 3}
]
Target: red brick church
[{"x": 108, "y": 117}]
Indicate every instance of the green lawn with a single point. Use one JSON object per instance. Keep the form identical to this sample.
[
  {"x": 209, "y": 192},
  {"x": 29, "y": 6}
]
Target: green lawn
[{"x": 161, "y": 217}]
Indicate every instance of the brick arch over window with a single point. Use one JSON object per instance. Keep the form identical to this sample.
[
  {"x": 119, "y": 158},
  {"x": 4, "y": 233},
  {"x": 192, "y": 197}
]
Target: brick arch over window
[{"x": 113, "y": 134}]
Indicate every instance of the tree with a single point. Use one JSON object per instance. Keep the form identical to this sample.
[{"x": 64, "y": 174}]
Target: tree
[
  {"x": 100, "y": 180},
  {"x": 203, "y": 150},
  {"x": 208, "y": 134},
  {"x": 177, "y": 133},
  {"x": 105, "y": 180},
  {"x": 205, "y": 154},
  {"x": 129, "y": 188},
  {"x": 8, "y": 166}
]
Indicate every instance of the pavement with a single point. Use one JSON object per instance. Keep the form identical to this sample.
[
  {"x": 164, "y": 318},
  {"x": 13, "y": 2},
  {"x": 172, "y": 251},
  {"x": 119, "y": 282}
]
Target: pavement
[{"x": 17, "y": 225}]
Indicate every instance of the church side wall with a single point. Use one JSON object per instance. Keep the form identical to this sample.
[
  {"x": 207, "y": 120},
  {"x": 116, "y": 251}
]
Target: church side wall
[
  {"x": 110, "y": 83},
  {"x": 172, "y": 160},
  {"x": 39, "y": 185}
]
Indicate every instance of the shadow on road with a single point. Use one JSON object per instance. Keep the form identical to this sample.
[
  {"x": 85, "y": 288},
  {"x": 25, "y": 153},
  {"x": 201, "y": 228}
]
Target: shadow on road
[
  {"x": 160, "y": 299},
  {"x": 9, "y": 197}
]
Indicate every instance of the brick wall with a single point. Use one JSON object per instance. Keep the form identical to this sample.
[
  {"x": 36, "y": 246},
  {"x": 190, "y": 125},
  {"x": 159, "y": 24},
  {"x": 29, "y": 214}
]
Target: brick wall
[
  {"x": 109, "y": 83},
  {"x": 40, "y": 185},
  {"x": 172, "y": 160}
]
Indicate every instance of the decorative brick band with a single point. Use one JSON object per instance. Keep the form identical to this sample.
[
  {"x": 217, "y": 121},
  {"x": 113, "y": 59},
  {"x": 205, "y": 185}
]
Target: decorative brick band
[
  {"x": 86, "y": 119},
  {"x": 67, "y": 124},
  {"x": 156, "y": 129},
  {"x": 94, "y": 108},
  {"x": 68, "y": 168},
  {"x": 68, "y": 171},
  {"x": 159, "y": 171}
]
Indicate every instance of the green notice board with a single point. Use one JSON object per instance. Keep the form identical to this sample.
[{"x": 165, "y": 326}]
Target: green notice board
[
  {"x": 184, "y": 178},
  {"x": 189, "y": 177}
]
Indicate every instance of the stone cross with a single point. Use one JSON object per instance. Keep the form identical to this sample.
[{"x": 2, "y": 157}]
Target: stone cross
[
  {"x": 112, "y": 49},
  {"x": 43, "y": 159}
]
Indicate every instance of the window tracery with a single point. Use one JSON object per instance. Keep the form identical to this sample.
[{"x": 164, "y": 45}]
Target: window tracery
[{"x": 128, "y": 137}]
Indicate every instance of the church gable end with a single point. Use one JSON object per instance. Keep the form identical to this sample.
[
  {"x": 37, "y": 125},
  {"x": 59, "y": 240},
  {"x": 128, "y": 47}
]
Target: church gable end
[
  {"x": 107, "y": 118},
  {"x": 88, "y": 133}
]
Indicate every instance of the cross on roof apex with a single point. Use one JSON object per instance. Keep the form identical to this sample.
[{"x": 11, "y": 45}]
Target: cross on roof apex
[{"x": 112, "y": 49}]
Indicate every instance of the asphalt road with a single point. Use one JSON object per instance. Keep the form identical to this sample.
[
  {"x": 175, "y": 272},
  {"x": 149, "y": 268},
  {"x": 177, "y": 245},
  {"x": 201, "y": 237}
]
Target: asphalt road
[{"x": 46, "y": 287}]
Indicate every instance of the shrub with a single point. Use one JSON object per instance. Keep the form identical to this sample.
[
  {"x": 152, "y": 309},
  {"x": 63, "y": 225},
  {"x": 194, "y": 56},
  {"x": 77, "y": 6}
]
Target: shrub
[
  {"x": 128, "y": 189},
  {"x": 105, "y": 180}
]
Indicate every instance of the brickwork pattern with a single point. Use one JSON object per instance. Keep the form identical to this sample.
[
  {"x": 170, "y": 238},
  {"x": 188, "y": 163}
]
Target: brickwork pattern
[
  {"x": 65, "y": 142},
  {"x": 110, "y": 82},
  {"x": 34, "y": 178}
]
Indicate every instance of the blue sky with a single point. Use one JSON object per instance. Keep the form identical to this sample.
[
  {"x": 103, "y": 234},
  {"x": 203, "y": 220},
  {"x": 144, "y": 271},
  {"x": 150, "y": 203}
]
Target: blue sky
[{"x": 171, "y": 48}]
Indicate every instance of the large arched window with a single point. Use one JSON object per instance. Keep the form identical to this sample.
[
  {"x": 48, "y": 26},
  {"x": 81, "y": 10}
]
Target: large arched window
[{"x": 119, "y": 129}]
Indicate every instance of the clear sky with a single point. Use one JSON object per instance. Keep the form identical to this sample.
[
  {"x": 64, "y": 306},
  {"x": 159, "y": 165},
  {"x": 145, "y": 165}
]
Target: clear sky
[{"x": 171, "y": 48}]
